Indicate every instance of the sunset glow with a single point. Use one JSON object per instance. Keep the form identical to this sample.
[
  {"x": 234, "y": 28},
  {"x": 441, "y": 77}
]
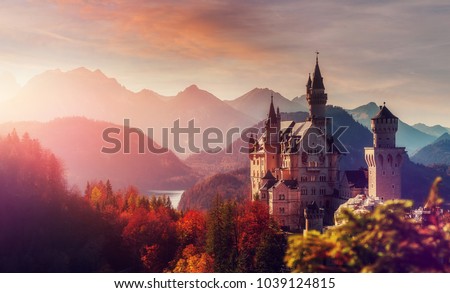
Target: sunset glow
[{"x": 395, "y": 51}]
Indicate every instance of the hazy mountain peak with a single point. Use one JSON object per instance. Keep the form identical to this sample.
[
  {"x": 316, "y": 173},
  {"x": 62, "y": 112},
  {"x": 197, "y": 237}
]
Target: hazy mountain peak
[
  {"x": 371, "y": 106},
  {"x": 443, "y": 137},
  {"x": 191, "y": 88},
  {"x": 255, "y": 103},
  {"x": 80, "y": 70},
  {"x": 265, "y": 90},
  {"x": 84, "y": 72},
  {"x": 194, "y": 93},
  {"x": 435, "y": 130}
]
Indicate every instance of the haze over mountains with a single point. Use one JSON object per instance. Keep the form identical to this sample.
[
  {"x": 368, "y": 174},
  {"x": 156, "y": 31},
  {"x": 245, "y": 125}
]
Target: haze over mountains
[
  {"x": 8, "y": 86},
  {"x": 436, "y": 153},
  {"x": 254, "y": 103},
  {"x": 91, "y": 94},
  {"x": 435, "y": 130},
  {"x": 78, "y": 143}
]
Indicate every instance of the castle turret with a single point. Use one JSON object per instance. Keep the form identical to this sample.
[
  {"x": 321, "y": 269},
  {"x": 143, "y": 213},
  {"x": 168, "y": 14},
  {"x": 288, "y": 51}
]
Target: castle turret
[
  {"x": 272, "y": 139},
  {"x": 384, "y": 126},
  {"x": 384, "y": 159},
  {"x": 315, "y": 94}
]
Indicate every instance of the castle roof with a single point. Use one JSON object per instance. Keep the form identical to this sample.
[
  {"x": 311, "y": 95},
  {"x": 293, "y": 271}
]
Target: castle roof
[
  {"x": 357, "y": 178},
  {"x": 384, "y": 113},
  {"x": 268, "y": 185},
  {"x": 309, "y": 83},
  {"x": 317, "y": 82},
  {"x": 292, "y": 184},
  {"x": 268, "y": 175},
  {"x": 272, "y": 115}
]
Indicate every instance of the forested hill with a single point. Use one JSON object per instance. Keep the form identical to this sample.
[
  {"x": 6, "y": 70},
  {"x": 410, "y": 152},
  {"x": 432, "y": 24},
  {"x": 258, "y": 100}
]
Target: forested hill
[{"x": 232, "y": 185}]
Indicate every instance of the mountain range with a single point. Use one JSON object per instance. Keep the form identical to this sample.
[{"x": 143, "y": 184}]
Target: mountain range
[
  {"x": 435, "y": 130},
  {"x": 254, "y": 103},
  {"x": 436, "y": 153},
  {"x": 93, "y": 95}
]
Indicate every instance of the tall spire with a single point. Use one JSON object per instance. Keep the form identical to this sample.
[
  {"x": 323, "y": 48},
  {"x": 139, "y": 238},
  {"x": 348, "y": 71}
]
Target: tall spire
[
  {"x": 308, "y": 85},
  {"x": 272, "y": 115},
  {"x": 317, "y": 82}
]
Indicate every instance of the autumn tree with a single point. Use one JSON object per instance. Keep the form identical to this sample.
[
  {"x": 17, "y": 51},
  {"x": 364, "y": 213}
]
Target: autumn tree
[
  {"x": 151, "y": 236},
  {"x": 194, "y": 260},
  {"x": 260, "y": 245}
]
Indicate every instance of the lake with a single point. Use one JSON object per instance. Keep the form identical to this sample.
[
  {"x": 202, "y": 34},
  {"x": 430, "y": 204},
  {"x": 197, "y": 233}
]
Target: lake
[{"x": 174, "y": 195}]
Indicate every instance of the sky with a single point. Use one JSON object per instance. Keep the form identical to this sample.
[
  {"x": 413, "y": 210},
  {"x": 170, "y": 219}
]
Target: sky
[{"x": 396, "y": 52}]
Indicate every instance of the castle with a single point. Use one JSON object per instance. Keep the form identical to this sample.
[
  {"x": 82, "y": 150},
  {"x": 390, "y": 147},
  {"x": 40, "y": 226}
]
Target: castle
[{"x": 294, "y": 166}]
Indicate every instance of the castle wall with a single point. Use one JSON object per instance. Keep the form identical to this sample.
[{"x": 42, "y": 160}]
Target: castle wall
[{"x": 384, "y": 167}]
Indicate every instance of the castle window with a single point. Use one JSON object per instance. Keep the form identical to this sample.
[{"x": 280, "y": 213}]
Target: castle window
[
  {"x": 303, "y": 178},
  {"x": 322, "y": 191},
  {"x": 313, "y": 191},
  {"x": 282, "y": 210},
  {"x": 304, "y": 191},
  {"x": 322, "y": 178},
  {"x": 384, "y": 173},
  {"x": 263, "y": 195},
  {"x": 313, "y": 178},
  {"x": 282, "y": 197},
  {"x": 393, "y": 172}
]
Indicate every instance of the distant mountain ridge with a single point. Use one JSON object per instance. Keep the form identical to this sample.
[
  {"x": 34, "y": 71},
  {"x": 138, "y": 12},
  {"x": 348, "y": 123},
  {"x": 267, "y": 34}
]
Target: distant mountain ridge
[
  {"x": 435, "y": 130},
  {"x": 254, "y": 103},
  {"x": 91, "y": 94},
  {"x": 436, "y": 153}
]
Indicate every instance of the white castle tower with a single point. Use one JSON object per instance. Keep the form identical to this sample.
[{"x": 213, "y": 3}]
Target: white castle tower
[{"x": 384, "y": 159}]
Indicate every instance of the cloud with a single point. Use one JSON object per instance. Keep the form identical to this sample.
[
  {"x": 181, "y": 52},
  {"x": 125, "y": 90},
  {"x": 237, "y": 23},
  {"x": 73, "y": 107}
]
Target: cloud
[{"x": 369, "y": 49}]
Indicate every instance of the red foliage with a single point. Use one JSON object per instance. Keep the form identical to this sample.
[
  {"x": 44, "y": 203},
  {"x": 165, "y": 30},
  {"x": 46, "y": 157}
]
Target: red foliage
[
  {"x": 191, "y": 228},
  {"x": 252, "y": 222}
]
